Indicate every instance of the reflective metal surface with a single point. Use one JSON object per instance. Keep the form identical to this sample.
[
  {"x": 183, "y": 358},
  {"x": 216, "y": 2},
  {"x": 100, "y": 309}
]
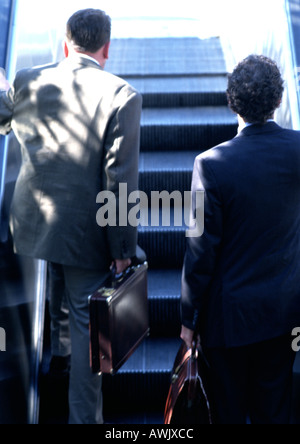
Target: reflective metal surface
[
  {"x": 22, "y": 280},
  {"x": 5, "y": 21}
]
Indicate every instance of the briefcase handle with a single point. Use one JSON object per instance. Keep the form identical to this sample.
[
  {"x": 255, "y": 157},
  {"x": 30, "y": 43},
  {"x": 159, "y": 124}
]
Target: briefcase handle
[
  {"x": 137, "y": 261},
  {"x": 118, "y": 279}
]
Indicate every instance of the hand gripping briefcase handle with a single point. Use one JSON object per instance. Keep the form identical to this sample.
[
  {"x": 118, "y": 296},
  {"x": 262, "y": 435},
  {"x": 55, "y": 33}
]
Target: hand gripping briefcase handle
[
  {"x": 119, "y": 319},
  {"x": 188, "y": 400}
]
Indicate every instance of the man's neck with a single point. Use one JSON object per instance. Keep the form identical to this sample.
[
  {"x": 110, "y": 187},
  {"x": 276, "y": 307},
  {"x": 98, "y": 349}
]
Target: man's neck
[
  {"x": 86, "y": 56},
  {"x": 100, "y": 56}
]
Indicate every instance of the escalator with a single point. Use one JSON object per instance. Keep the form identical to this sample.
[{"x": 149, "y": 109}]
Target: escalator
[{"x": 183, "y": 83}]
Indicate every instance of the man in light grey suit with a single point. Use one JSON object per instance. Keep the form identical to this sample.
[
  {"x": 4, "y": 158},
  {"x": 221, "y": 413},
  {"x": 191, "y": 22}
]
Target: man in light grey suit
[{"x": 79, "y": 129}]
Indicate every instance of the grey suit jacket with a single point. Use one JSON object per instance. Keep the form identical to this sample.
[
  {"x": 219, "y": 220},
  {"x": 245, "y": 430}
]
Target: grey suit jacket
[{"x": 79, "y": 130}]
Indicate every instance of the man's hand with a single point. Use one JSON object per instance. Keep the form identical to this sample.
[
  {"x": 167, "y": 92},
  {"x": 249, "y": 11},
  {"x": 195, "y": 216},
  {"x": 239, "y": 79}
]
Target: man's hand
[
  {"x": 187, "y": 336},
  {"x": 121, "y": 265},
  {"x": 4, "y": 85}
]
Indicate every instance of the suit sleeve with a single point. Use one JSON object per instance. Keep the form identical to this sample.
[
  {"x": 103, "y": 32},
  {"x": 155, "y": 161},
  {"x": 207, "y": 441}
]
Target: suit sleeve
[
  {"x": 202, "y": 252},
  {"x": 121, "y": 166},
  {"x": 6, "y": 111}
]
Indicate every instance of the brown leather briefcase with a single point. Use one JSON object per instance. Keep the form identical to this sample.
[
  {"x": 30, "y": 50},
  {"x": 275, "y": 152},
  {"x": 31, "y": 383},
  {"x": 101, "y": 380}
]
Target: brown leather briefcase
[
  {"x": 188, "y": 399},
  {"x": 119, "y": 320}
]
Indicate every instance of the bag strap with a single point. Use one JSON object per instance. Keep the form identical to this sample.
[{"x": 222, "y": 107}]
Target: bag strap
[{"x": 193, "y": 374}]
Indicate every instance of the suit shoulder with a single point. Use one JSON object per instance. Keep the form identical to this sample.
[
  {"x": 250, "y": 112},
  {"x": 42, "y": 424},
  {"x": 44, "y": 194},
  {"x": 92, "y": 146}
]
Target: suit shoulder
[
  {"x": 28, "y": 74},
  {"x": 36, "y": 69},
  {"x": 217, "y": 151},
  {"x": 119, "y": 84},
  {"x": 292, "y": 134}
]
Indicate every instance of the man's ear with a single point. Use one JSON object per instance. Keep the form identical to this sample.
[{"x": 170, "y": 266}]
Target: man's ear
[
  {"x": 106, "y": 50},
  {"x": 66, "y": 49}
]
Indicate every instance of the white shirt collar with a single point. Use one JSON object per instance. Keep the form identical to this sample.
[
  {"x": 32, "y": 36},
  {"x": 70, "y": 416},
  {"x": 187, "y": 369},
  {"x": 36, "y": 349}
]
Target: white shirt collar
[
  {"x": 88, "y": 57},
  {"x": 250, "y": 124}
]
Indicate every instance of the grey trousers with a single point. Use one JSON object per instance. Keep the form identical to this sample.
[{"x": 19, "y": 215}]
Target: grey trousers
[
  {"x": 59, "y": 312},
  {"x": 85, "y": 391}
]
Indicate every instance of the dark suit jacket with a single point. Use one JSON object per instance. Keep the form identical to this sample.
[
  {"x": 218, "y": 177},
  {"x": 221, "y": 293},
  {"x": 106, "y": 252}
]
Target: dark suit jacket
[
  {"x": 79, "y": 130},
  {"x": 241, "y": 279}
]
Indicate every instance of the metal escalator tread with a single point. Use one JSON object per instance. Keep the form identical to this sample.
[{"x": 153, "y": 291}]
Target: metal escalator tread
[
  {"x": 144, "y": 379},
  {"x": 204, "y": 115},
  {"x": 166, "y": 171},
  {"x": 164, "y": 302},
  {"x": 166, "y": 56},
  {"x": 186, "y": 129},
  {"x": 182, "y": 91},
  {"x": 165, "y": 246},
  {"x": 167, "y": 161},
  {"x": 153, "y": 355}
]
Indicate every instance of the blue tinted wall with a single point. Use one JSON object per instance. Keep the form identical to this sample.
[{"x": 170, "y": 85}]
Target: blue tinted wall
[{"x": 5, "y": 13}]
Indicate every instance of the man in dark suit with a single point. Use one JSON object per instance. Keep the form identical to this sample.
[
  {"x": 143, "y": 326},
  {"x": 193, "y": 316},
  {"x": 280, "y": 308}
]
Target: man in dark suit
[
  {"x": 241, "y": 279},
  {"x": 79, "y": 130}
]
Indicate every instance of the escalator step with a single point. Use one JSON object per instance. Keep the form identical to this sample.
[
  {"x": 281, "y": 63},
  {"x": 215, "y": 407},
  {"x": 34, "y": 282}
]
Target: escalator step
[
  {"x": 165, "y": 246},
  {"x": 165, "y": 57},
  {"x": 143, "y": 382},
  {"x": 164, "y": 302},
  {"x": 165, "y": 170},
  {"x": 192, "y": 129},
  {"x": 183, "y": 91}
]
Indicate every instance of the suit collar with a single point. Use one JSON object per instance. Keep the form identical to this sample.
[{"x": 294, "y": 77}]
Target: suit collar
[
  {"x": 80, "y": 60},
  {"x": 256, "y": 129}
]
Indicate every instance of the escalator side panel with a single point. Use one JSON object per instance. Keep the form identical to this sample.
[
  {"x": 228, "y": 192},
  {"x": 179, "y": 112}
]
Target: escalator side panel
[
  {"x": 6, "y": 7},
  {"x": 5, "y": 13},
  {"x": 22, "y": 280}
]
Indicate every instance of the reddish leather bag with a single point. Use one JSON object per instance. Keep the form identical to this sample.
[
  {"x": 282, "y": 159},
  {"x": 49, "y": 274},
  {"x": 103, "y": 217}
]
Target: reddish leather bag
[{"x": 187, "y": 401}]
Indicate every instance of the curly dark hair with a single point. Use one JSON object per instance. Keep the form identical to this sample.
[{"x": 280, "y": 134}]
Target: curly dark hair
[{"x": 255, "y": 89}]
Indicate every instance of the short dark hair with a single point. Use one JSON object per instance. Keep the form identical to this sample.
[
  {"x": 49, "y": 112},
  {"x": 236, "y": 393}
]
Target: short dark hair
[
  {"x": 89, "y": 29},
  {"x": 255, "y": 89}
]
